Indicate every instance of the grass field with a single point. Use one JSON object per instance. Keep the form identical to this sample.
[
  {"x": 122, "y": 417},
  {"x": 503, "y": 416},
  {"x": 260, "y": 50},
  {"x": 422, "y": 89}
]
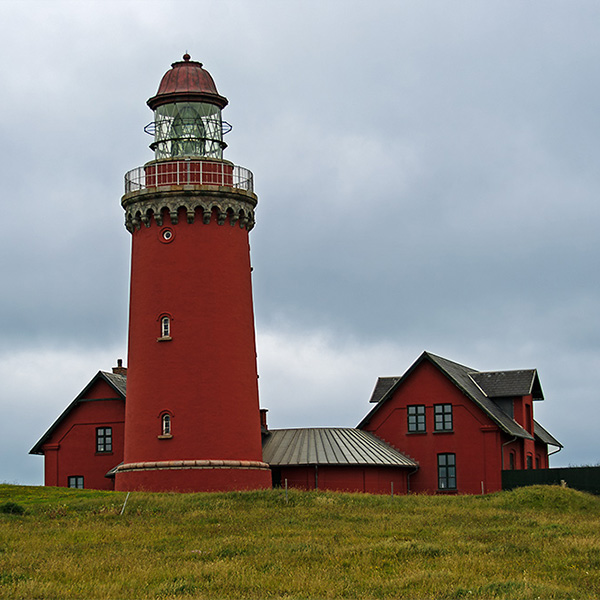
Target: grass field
[{"x": 537, "y": 542}]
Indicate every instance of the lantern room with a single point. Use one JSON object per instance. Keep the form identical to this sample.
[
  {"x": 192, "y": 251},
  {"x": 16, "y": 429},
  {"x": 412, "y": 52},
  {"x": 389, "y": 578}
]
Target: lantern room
[
  {"x": 188, "y": 134},
  {"x": 187, "y": 114}
]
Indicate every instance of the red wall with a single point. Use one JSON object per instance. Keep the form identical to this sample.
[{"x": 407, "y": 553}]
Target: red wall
[
  {"x": 72, "y": 447},
  {"x": 373, "y": 480},
  {"x": 206, "y": 375},
  {"x": 475, "y": 439},
  {"x": 193, "y": 480}
]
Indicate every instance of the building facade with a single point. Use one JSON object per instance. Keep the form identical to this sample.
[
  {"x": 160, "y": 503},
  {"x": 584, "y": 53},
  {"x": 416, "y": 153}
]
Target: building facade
[
  {"x": 184, "y": 415},
  {"x": 462, "y": 426}
]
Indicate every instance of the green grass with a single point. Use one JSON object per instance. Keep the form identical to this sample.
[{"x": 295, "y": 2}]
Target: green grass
[{"x": 537, "y": 542}]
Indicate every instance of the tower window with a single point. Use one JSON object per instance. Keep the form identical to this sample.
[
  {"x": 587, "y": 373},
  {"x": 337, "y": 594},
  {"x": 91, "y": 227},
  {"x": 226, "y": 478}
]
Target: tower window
[
  {"x": 104, "y": 439},
  {"x": 165, "y": 328},
  {"x": 166, "y": 424}
]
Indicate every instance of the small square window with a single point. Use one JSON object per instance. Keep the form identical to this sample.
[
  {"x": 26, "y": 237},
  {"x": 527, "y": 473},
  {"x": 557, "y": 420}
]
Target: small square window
[
  {"x": 104, "y": 439},
  {"x": 76, "y": 481},
  {"x": 443, "y": 417},
  {"x": 416, "y": 418}
]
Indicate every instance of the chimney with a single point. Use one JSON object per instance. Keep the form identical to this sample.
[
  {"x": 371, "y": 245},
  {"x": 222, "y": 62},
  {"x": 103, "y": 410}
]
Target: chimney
[
  {"x": 263, "y": 420},
  {"x": 119, "y": 369}
]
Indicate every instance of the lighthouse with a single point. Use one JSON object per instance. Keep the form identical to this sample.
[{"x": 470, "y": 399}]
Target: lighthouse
[{"x": 192, "y": 419}]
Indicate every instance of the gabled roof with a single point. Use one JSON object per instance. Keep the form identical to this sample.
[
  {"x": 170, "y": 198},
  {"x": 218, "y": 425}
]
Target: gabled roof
[
  {"x": 330, "y": 446},
  {"x": 461, "y": 377},
  {"x": 382, "y": 387},
  {"x": 117, "y": 382},
  {"x": 544, "y": 436},
  {"x": 498, "y": 384}
]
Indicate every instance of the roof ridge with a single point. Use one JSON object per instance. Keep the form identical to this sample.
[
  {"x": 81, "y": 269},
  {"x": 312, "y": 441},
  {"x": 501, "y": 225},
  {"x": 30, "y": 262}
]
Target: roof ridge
[{"x": 452, "y": 362}]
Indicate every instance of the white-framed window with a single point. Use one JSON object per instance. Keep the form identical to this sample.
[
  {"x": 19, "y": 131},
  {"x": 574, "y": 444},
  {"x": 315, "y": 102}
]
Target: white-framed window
[
  {"x": 165, "y": 327},
  {"x": 166, "y": 424}
]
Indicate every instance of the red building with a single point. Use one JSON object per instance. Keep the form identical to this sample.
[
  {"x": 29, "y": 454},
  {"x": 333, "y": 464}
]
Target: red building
[
  {"x": 191, "y": 419},
  {"x": 440, "y": 428},
  {"x": 462, "y": 426},
  {"x": 85, "y": 443},
  {"x": 338, "y": 459}
]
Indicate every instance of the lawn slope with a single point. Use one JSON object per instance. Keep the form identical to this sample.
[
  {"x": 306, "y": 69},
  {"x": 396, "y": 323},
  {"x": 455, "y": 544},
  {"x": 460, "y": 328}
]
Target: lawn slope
[{"x": 537, "y": 542}]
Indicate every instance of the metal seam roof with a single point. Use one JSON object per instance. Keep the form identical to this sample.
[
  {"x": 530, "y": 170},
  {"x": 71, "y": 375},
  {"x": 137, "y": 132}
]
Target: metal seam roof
[{"x": 330, "y": 446}]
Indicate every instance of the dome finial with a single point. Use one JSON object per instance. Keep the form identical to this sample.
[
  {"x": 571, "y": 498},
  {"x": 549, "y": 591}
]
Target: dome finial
[{"x": 186, "y": 57}]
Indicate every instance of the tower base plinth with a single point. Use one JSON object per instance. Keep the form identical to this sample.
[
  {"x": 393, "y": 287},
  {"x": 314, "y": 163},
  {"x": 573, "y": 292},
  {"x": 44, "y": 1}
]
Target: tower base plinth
[{"x": 193, "y": 476}]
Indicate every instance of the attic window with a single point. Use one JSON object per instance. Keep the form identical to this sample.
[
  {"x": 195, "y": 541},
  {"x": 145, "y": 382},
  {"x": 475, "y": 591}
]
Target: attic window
[
  {"x": 104, "y": 439},
  {"x": 443, "y": 417},
  {"x": 416, "y": 418}
]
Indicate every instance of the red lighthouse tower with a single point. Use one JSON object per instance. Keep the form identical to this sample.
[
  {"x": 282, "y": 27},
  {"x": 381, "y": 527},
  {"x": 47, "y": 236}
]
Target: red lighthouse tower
[{"x": 192, "y": 420}]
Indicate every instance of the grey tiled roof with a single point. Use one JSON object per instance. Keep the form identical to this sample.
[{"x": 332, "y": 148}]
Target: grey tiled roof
[
  {"x": 544, "y": 436},
  {"x": 460, "y": 376},
  {"x": 382, "y": 387},
  {"x": 117, "y": 382},
  {"x": 497, "y": 384},
  {"x": 330, "y": 446}
]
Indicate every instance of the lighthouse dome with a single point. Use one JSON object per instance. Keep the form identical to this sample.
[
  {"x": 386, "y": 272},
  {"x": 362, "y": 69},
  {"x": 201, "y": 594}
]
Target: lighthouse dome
[{"x": 187, "y": 81}]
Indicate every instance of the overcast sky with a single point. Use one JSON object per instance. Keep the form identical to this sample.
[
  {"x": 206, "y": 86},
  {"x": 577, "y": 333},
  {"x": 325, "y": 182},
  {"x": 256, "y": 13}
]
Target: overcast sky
[{"x": 427, "y": 175}]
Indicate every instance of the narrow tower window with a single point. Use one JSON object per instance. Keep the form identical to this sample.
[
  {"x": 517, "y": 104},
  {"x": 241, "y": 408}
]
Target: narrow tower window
[
  {"x": 166, "y": 424},
  {"x": 165, "y": 327}
]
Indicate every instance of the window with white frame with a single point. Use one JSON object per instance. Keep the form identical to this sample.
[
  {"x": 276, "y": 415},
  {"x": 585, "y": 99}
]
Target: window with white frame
[
  {"x": 166, "y": 424},
  {"x": 165, "y": 327}
]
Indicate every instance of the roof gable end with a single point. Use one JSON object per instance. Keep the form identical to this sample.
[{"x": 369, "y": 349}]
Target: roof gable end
[
  {"x": 117, "y": 382},
  {"x": 499, "y": 384},
  {"x": 461, "y": 377}
]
